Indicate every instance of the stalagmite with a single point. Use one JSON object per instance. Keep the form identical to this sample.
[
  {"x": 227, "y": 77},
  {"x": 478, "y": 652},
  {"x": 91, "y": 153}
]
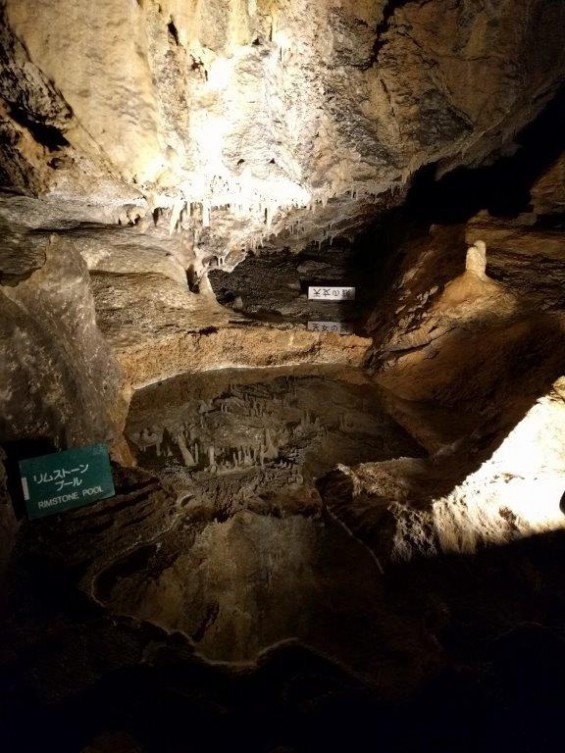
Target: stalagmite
[
  {"x": 212, "y": 458},
  {"x": 187, "y": 456},
  {"x": 476, "y": 260},
  {"x": 271, "y": 450}
]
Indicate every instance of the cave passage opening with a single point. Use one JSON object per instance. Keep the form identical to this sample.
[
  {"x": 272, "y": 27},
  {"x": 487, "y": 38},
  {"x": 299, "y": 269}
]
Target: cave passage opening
[
  {"x": 272, "y": 286},
  {"x": 500, "y": 185}
]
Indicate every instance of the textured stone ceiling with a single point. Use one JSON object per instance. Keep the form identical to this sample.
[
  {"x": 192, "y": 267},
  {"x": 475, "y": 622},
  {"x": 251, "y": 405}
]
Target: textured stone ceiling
[{"x": 232, "y": 121}]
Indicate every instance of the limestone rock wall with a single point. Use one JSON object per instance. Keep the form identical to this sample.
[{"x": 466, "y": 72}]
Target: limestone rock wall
[
  {"x": 469, "y": 344},
  {"x": 473, "y": 493},
  {"x": 58, "y": 379},
  {"x": 226, "y": 125},
  {"x": 229, "y": 118}
]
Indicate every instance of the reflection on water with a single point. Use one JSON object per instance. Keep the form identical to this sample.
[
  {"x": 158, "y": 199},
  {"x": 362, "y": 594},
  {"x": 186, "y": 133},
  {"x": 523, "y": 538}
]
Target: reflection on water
[
  {"x": 237, "y": 436},
  {"x": 248, "y": 557}
]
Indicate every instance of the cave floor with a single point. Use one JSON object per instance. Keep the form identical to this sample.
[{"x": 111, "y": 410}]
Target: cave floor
[{"x": 216, "y": 603}]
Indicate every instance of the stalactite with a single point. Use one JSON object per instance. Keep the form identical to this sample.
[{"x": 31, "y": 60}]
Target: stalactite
[
  {"x": 212, "y": 458},
  {"x": 206, "y": 214}
]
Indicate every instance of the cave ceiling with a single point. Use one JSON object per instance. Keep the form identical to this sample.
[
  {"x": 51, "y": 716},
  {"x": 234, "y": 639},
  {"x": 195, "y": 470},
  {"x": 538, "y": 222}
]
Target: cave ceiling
[{"x": 258, "y": 121}]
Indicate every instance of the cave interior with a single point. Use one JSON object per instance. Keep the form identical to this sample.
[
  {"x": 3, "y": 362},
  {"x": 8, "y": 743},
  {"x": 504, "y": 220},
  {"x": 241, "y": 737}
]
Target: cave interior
[{"x": 298, "y": 268}]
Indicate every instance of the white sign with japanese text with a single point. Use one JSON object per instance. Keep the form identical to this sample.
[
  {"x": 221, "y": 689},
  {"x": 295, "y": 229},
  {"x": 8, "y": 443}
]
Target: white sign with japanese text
[
  {"x": 330, "y": 293},
  {"x": 340, "y": 328}
]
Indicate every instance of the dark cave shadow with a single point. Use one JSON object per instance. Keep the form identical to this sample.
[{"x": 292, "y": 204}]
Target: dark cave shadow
[
  {"x": 375, "y": 261},
  {"x": 495, "y": 621},
  {"x": 503, "y": 188},
  {"x": 10, "y": 455}
]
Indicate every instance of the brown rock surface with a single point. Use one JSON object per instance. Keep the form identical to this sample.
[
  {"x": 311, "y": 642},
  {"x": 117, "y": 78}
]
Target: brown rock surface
[
  {"x": 548, "y": 193},
  {"x": 302, "y": 554},
  {"x": 459, "y": 339},
  {"x": 479, "y": 491},
  {"x": 473, "y": 366},
  {"x": 232, "y": 120},
  {"x": 59, "y": 379}
]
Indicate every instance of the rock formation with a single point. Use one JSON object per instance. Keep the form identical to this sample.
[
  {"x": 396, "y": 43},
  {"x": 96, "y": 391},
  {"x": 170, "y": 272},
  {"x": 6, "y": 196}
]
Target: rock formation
[
  {"x": 330, "y": 517},
  {"x": 233, "y": 127}
]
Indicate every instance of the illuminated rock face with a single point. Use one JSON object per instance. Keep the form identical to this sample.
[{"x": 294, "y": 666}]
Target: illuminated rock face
[
  {"x": 228, "y": 119},
  {"x": 209, "y": 128},
  {"x": 469, "y": 345},
  {"x": 248, "y": 567}
]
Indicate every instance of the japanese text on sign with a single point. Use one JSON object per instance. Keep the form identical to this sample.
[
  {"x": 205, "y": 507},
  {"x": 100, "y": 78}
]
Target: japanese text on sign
[
  {"x": 324, "y": 293},
  {"x": 338, "y": 327},
  {"x": 60, "y": 474},
  {"x": 63, "y": 480}
]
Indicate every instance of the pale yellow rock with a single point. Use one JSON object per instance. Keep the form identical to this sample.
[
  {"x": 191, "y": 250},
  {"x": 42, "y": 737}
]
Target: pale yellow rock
[
  {"x": 261, "y": 109},
  {"x": 97, "y": 53},
  {"x": 476, "y": 260}
]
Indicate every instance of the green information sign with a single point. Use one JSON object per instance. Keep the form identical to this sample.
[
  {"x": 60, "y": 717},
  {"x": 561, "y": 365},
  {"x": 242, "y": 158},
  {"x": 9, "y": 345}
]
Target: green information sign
[{"x": 63, "y": 480}]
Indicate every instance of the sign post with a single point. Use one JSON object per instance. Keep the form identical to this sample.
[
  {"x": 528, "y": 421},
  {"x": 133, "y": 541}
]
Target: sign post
[{"x": 64, "y": 480}]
